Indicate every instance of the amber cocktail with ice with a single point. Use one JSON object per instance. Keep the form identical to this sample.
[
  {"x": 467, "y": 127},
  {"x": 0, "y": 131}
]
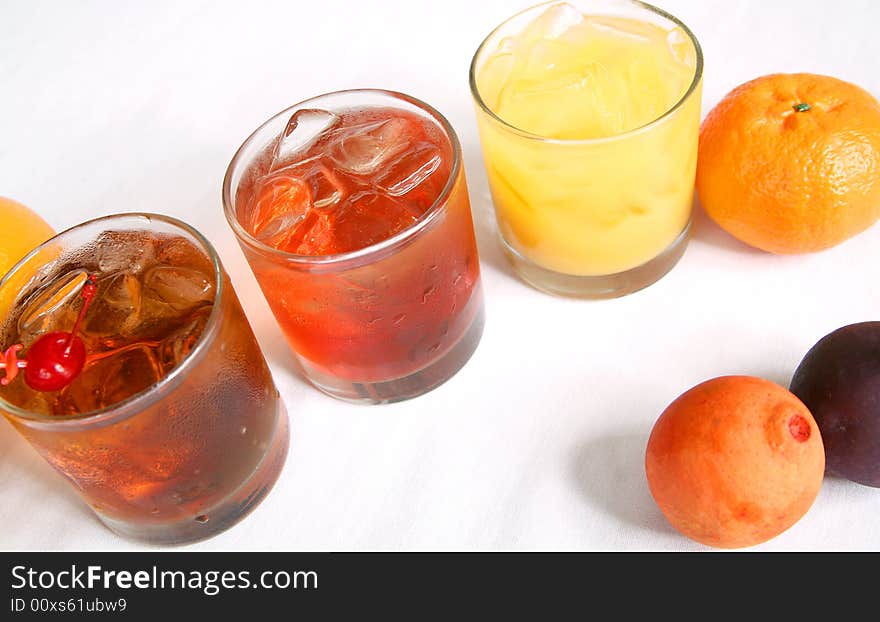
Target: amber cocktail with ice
[
  {"x": 172, "y": 429},
  {"x": 353, "y": 212}
]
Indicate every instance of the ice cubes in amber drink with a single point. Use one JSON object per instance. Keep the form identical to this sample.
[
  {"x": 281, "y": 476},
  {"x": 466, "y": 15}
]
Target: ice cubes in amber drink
[
  {"x": 171, "y": 428},
  {"x": 353, "y": 212}
]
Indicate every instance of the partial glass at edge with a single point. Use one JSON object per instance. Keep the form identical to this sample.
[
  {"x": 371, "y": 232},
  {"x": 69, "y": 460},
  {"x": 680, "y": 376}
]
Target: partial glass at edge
[
  {"x": 187, "y": 457},
  {"x": 384, "y": 323},
  {"x": 545, "y": 191}
]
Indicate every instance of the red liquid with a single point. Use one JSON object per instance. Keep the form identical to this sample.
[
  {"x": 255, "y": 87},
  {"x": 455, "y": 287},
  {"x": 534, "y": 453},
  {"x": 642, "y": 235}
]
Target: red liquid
[{"x": 366, "y": 177}]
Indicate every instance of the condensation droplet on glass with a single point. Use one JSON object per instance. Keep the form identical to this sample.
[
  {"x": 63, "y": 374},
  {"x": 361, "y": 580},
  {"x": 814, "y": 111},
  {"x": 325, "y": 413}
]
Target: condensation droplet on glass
[
  {"x": 243, "y": 430},
  {"x": 400, "y": 317},
  {"x": 202, "y": 518}
]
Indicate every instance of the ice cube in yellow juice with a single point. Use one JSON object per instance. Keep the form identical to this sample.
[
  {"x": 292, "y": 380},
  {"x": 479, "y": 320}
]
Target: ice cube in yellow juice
[{"x": 590, "y": 172}]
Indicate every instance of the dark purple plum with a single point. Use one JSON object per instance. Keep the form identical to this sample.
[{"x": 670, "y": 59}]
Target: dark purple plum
[{"x": 839, "y": 381}]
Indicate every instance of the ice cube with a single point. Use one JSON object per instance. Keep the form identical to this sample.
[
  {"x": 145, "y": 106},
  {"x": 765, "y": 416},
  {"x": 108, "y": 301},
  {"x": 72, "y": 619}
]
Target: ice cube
[
  {"x": 52, "y": 307},
  {"x": 634, "y": 30},
  {"x": 283, "y": 200},
  {"x": 326, "y": 186},
  {"x": 117, "y": 306},
  {"x": 367, "y": 218},
  {"x": 174, "y": 347},
  {"x": 362, "y": 149},
  {"x": 410, "y": 169},
  {"x": 181, "y": 287},
  {"x": 178, "y": 251},
  {"x": 112, "y": 378},
  {"x": 586, "y": 103},
  {"x": 552, "y": 23},
  {"x": 303, "y": 130},
  {"x": 548, "y": 59},
  {"x": 131, "y": 251},
  {"x": 312, "y": 236},
  {"x": 681, "y": 47}
]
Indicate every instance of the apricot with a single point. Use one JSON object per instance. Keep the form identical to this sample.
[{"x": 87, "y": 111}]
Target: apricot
[{"x": 735, "y": 461}]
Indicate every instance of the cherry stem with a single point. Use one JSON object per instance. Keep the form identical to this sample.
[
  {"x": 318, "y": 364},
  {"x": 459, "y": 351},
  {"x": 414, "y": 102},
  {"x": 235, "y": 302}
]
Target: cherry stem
[{"x": 88, "y": 294}]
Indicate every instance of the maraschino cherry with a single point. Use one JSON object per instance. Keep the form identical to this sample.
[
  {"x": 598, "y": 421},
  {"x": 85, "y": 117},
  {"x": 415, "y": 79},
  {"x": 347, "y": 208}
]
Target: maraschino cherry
[{"x": 55, "y": 359}]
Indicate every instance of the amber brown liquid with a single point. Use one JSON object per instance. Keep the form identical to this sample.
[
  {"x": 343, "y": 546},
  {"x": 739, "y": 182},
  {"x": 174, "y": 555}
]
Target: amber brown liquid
[{"x": 169, "y": 457}]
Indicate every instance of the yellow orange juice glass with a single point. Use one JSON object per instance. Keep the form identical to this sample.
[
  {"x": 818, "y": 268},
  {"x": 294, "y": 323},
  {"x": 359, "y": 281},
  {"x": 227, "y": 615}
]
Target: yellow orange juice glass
[{"x": 589, "y": 114}]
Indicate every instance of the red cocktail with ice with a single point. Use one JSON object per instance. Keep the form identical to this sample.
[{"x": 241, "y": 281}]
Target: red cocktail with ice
[{"x": 353, "y": 212}]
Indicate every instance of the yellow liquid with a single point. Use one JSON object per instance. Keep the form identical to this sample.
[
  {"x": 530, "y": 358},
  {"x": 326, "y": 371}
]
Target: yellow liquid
[{"x": 584, "y": 187}]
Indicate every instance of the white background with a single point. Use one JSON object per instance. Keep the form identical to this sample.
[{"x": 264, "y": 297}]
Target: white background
[{"x": 538, "y": 443}]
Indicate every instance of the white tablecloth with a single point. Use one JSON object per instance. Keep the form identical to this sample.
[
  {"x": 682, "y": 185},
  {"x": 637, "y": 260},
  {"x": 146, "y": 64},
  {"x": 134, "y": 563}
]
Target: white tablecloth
[{"x": 538, "y": 443}]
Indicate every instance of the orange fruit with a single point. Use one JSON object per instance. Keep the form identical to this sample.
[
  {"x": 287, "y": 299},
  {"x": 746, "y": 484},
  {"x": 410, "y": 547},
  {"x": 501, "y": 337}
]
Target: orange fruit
[
  {"x": 790, "y": 163},
  {"x": 21, "y": 230},
  {"x": 735, "y": 461}
]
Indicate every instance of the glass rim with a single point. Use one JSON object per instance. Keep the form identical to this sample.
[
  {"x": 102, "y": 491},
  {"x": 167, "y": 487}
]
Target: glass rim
[
  {"x": 698, "y": 76},
  {"x": 133, "y": 403},
  {"x": 367, "y": 252}
]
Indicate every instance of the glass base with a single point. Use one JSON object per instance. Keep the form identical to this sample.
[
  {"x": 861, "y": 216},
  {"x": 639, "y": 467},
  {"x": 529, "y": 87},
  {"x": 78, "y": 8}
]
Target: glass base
[
  {"x": 602, "y": 286},
  {"x": 225, "y": 514},
  {"x": 407, "y": 387}
]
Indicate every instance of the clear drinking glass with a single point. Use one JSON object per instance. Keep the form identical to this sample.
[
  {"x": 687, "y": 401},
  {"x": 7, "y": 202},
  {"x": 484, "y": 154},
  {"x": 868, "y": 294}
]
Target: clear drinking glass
[
  {"x": 200, "y": 446},
  {"x": 387, "y": 322},
  {"x": 588, "y": 217}
]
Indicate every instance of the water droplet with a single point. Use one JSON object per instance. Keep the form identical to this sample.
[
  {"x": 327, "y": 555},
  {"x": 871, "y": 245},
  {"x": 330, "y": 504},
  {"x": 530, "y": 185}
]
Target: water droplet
[
  {"x": 243, "y": 430},
  {"x": 374, "y": 321},
  {"x": 457, "y": 278},
  {"x": 433, "y": 268},
  {"x": 154, "y": 511},
  {"x": 202, "y": 518},
  {"x": 427, "y": 293},
  {"x": 400, "y": 317},
  {"x": 433, "y": 348}
]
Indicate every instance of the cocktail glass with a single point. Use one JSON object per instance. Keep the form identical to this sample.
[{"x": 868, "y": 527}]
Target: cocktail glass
[
  {"x": 396, "y": 318},
  {"x": 174, "y": 430},
  {"x": 583, "y": 210}
]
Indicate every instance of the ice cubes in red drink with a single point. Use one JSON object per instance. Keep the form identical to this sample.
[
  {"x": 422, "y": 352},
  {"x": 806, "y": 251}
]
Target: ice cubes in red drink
[{"x": 341, "y": 182}]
